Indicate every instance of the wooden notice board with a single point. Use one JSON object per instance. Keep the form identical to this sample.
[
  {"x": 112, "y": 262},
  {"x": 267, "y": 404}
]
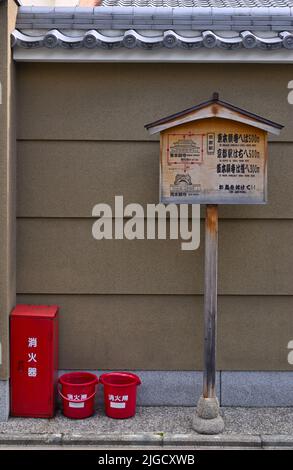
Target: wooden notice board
[
  {"x": 213, "y": 153},
  {"x": 213, "y": 161}
]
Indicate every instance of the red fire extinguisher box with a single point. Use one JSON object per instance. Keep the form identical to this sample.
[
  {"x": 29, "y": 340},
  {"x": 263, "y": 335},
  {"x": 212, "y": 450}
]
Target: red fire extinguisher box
[{"x": 34, "y": 360}]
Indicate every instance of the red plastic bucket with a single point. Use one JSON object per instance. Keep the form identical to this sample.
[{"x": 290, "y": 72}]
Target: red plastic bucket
[
  {"x": 78, "y": 394},
  {"x": 120, "y": 394}
]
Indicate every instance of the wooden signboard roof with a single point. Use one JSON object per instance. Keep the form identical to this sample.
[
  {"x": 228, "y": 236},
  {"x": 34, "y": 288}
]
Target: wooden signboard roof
[{"x": 214, "y": 108}]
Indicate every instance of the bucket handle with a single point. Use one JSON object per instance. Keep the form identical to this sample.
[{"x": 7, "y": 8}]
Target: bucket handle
[
  {"x": 75, "y": 401},
  {"x": 128, "y": 374}
]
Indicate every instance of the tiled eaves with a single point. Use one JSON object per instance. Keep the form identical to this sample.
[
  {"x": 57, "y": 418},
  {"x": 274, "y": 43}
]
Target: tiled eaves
[
  {"x": 197, "y": 3},
  {"x": 78, "y": 27},
  {"x": 256, "y": 18},
  {"x": 169, "y": 39}
]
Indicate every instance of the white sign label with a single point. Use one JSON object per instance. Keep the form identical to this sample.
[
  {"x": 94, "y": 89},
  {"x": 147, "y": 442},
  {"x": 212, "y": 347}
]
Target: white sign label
[
  {"x": 114, "y": 404},
  {"x": 76, "y": 405}
]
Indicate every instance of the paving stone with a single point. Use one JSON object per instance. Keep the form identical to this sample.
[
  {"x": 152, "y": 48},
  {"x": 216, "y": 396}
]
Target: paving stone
[{"x": 4, "y": 400}]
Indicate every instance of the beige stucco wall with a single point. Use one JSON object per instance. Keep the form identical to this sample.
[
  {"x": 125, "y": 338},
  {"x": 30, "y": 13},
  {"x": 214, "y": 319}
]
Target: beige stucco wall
[
  {"x": 138, "y": 304},
  {"x": 7, "y": 182}
]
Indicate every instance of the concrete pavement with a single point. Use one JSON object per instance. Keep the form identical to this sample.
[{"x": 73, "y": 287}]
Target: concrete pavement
[{"x": 154, "y": 427}]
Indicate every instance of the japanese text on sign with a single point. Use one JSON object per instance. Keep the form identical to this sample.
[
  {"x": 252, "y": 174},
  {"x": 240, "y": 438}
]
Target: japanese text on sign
[
  {"x": 32, "y": 343},
  {"x": 215, "y": 161}
]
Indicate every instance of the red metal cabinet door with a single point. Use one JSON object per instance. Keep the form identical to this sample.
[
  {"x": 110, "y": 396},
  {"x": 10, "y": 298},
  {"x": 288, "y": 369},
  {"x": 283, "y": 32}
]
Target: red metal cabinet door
[{"x": 33, "y": 362}]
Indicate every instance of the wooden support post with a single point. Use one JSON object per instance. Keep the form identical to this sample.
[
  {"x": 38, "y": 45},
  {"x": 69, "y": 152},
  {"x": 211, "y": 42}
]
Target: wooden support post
[
  {"x": 207, "y": 419},
  {"x": 210, "y": 301}
]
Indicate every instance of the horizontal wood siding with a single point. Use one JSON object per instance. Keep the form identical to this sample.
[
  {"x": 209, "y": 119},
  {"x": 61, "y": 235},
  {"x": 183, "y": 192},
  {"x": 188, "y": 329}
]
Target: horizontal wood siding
[
  {"x": 115, "y": 101},
  {"x": 61, "y": 256},
  {"x": 164, "y": 332},
  {"x": 66, "y": 178},
  {"x": 138, "y": 304}
]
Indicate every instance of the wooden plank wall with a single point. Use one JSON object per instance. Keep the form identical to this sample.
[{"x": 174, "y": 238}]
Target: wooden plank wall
[{"x": 138, "y": 304}]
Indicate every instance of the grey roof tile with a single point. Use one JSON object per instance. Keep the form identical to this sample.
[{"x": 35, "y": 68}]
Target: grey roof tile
[
  {"x": 225, "y": 27},
  {"x": 199, "y": 20},
  {"x": 25, "y": 11},
  {"x": 281, "y": 28},
  {"x": 195, "y": 27},
  {"x": 105, "y": 12},
  {"x": 26, "y": 20},
  {"x": 62, "y": 13},
  {"x": 43, "y": 20},
  {"x": 168, "y": 39},
  {"x": 60, "y": 26},
  {"x": 282, "y": 22},
  {"x": 287, "y": 39},
  {"x": 37, "y": 25},
  {"x": 63, "y": 20},
  {"x": 228, "y": 21},
  {"x": 83, "y": 11},
  {"x": 129, "y": 11},
  {"x": 180, "y": 22},
  {"x": 82, "y": 20},
  {"x": 196, "y": 3},
  {"x": 241, "y": 11},
  {"x": 201, "y": 11},
  {"x": 261, "y": 22},
  {"x": 24, "y": 26},
  {"x": 40, "y": 12},
  {"x": 85, "y": 26},
  {"x": 243, "y": 17},
  {"x": 165, "y": 15},
  {"x": 222, "y": 12},
  {"x": 286, "y": 10},
  {"x": 101, "y": 22}
]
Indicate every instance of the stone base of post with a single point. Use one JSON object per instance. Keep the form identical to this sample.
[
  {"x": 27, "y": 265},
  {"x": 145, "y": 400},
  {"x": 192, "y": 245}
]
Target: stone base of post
[{"x": 207, "y": 419}]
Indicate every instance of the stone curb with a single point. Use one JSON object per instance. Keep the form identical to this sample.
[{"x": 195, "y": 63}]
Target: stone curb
[
  {"x": 277, "y": 441},
  {"x": 29, "y": 439},
  {"x": 232, "y": 441},
  {"x": 218, "y": 440},
  {"x": 112, "y": 439}
]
